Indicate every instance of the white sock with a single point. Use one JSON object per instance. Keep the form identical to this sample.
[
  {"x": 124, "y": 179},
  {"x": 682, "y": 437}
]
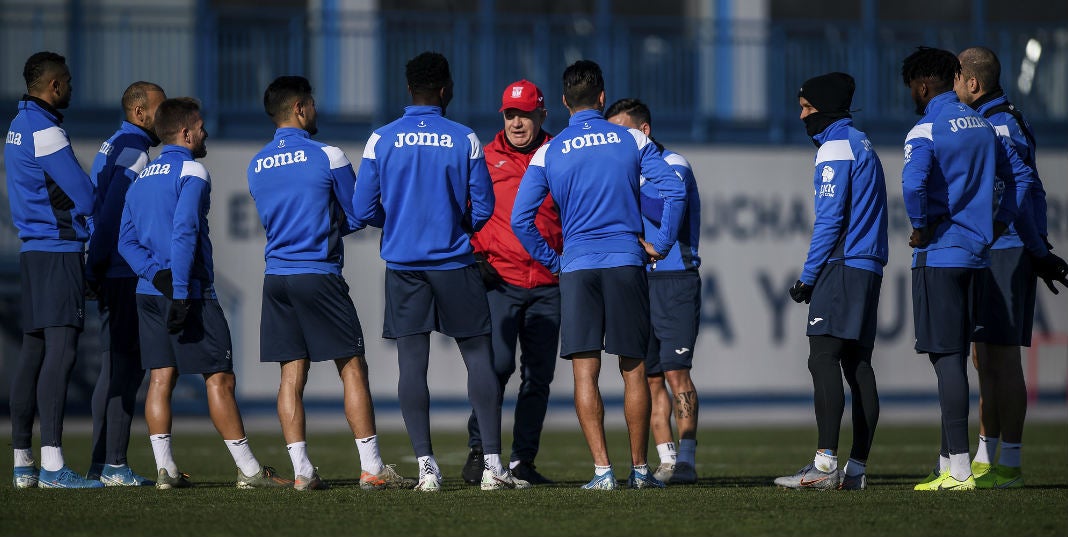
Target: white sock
[
  {"x": 854, "y": 467},
  {"x": 988, "y": 446},
  {"x": 427, "y": 465},
  {"x": 51, "y": 458},
  {"x": 161, "y": 449},
  {"x": 943, "y": 464},
  {"x": 23, "y": 457},
  {"x": 687, "y": 451},
  {"x": 370, "y": 460},
  {"x": 667, "y": 453},
  {"x": 1010, "y": 454},
  {"x": 241, "y": 451},
  {"x": 298, "y": 453},
  {"x": 642, "y": 469},
  {"x": 825, "y": 461},
  {"x": 960, "y": 466},
  {"x": 492, "y": 461},
  {"x": 601, "y": 470}
]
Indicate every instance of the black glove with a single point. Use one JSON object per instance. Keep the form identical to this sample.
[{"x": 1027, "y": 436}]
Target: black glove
[
  {"x": 1045, "y": 239},
  {"x": 801, "y": 292},
  {"x": 163, "y": 283},
  {"x": 92, "y": 288},
  {"x": 177, "y": 314},
  {"x": 59, "y": 199},
  {"x": 490, "y": 277},
  {"x": 1051, "y": 268}
]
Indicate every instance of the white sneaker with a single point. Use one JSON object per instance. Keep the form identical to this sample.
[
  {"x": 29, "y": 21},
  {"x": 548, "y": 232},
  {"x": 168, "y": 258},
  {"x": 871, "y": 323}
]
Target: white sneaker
[
  {"x": 664, "y": 471},
  {"x": 493, "y": 481},
  {"x": 429, "y": 483}
]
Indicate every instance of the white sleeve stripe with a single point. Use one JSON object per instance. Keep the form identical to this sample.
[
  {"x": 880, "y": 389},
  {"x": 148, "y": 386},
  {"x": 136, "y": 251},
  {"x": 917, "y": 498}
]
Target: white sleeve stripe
[
  {"x": 476, "y": 146},
  {"x": 48, "y": 141},
  {"x": 337, "y": 157},
  {"x": 834, "y": 150},
  {"x": 130, "y": 158},
  {"x": 195, "y": 169},
  {"x": 923, "y": 130},
  {"x": 539, "y": 156},
  {"x": 639, "y": 138},
  {"x": 369, "y": 149},
  {"x": 1003, "y": 130},
  {"x": 676, "y": 159}
]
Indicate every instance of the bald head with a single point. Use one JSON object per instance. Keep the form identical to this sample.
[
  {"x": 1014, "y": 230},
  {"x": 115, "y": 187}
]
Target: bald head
[{"x": 139, "y": 103}]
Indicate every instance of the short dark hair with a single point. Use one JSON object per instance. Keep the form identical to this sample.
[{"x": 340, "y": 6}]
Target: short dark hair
[
  {"x": 637, "y": 110},
  {"x": 137, "y": 94},
  {"x": 983, "y": 64},
  {"x": 280, "y": 95},
  {"x": 427, "y": 73},
  {"x": 939, "y": 65},
  {"x": 175, "y": 114},
  {"x": 41, "y": 64},
  {"x": 583, "y": 83}
]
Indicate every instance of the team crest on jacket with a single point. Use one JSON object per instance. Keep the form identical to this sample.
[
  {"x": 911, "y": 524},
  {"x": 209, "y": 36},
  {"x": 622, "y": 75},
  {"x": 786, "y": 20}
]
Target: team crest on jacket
[
  {"x": 590, "y": 140},
  {"x": 908, "y": 152},
  {"x": 827, "y": 173}
]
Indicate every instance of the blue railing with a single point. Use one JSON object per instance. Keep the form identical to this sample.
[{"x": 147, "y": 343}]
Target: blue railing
[{"x": 705, "y": 80}]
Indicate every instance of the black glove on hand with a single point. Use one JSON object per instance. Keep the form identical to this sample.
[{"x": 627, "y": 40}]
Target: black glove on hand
[
  {"x": 177, "y": 314},
  {"x": 801, "y": 292},
  {"x": 1051, "y": 268},
  {"x": 58, "y": 198},
  {"x": 163, "y": 283},
  {"x": 490, "y": 277}
]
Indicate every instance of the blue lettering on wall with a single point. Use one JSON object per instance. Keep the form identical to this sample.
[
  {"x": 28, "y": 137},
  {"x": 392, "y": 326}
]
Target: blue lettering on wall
[
  {"x": 714, "y": 309},
  {"x": 777, "y": 296}
]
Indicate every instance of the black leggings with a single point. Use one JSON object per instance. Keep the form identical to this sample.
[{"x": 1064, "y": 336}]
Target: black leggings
[{"x": 830, "y": 358}]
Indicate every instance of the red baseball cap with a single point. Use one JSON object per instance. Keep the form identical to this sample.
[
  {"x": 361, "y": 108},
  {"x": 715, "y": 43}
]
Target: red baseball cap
[{"x": 522, "y": 95}]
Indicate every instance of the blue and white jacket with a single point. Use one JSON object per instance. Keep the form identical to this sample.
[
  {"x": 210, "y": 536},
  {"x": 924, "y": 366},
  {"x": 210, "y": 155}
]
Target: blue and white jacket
[
  {"x": 593, "y": 169},
  {"x": 165, "y": 225},
  {"x": 38, "y": 159},
  {"x": 952, "y": 161},
  {"x": 115, "y": 166},
  {"x": 303, "y": 192},
  {"x": 428, "y": 175},
  {"x": 850, "y": 201},
  {"x": 683, "y": 255}
]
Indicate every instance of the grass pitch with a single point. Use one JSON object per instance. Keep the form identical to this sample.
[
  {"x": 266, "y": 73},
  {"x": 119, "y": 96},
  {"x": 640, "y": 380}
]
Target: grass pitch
[{"x": 734, "y": 496}]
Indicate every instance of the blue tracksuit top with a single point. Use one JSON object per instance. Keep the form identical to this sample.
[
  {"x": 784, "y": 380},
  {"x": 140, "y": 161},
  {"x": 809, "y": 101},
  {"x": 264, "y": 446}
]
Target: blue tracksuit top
[
  {"x": 593, "y": 169},
  {"x": 38, "y": 159},
  {"x": 165, "y": 225},
  {"x": 683, "y": 255},
  {"x": 1029, "y": 228},
  {"x": 952, "y": 160},
  {"x": 850, "y": 201},
  {"x": 423, "y": 179},
  {"x": 303, "y": 192},
  {"x": 115, "y": 166}
]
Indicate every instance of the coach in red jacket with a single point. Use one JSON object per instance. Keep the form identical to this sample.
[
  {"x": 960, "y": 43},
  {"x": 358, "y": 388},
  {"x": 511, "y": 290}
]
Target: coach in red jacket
[{"x": 524, "y": 297}]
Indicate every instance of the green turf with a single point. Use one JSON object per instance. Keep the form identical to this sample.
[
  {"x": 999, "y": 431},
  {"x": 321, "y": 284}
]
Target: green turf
[{"x": 734, "y": 496}]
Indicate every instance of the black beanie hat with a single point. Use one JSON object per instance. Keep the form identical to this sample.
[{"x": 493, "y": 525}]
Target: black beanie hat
[{"x": 829, "y": 93}]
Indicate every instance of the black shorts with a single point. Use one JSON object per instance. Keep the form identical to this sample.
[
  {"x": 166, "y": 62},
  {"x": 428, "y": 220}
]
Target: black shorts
[
  {"x": 1005, "y": 299},
  {"x": 202, "y": 347},
  {"x": 308, "y": 316},
  {"x": 845, "y": 304},
  {"x": 53, "y": 290},
  {"x": 117, "y": 304},
  {"x": 452, "y": 302},
  {"x": 605, "y": 309},
  {"x": 942, "y": 308},
  {"x": 675, "y": 314}
]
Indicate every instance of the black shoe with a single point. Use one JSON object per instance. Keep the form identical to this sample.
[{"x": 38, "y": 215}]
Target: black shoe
[
  {"x": 472, "y": 471},
  {"x": 526, "y": 471}
]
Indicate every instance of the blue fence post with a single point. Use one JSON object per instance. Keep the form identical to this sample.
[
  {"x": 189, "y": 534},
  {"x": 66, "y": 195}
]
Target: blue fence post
[
  {"x": 868, "y": 76},
  {"x": 76, "y": 42},
  {"x": 207, "y": 72},
  {"x": 331, "y": 56},
  {"x": 382, "y": 81},
  {"x": 724, "y": 55},
  {"x": 776, "y": 86}
]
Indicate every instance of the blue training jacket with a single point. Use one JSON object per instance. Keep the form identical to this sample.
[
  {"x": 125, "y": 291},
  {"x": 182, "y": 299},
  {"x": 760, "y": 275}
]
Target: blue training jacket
[
  {"x": 850, "y": 202},
  {"x": 303, "y": 192},
  {"x": 38, "y": 159},
  {"x": 593, "y": 169},
  {"x": 1029, "y": 228},
  {"x": 428, "y": 175},
  {"x": 952, "y": 161},
  {"x": 683, "y": 255},
  {"x": 115, "y": 166},
  {"x": 165, "y": 225}
]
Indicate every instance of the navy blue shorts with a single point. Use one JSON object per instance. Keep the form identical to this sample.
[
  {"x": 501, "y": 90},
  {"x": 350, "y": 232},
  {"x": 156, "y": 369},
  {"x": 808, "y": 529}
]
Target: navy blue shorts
[
  {"x": 1005, "y": 299},
  {"x": 942, "y": 308},
  {"x": 308, "y": 316},
  {"x": 202, "y": 347},
  {"x": 452, "y": 302},
  {"x": 845, "y": 304},
  {"x": 117, "y": 304},
  {"x": 53, "y": 290},
  {"x": 604, "y": 309},
  {"x": 675, "y": 314}
]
